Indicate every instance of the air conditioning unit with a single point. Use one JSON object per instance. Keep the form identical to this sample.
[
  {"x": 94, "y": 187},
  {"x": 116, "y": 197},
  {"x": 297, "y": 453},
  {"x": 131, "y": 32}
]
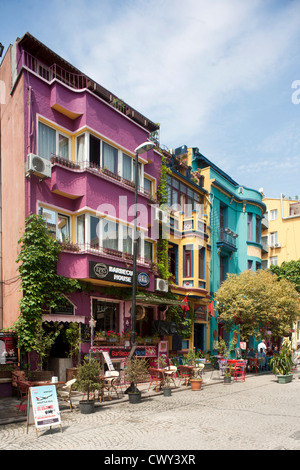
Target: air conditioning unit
[
  {"x": 160, "y": 215},
  {"x": 38, "y": 165},
  {"x": 277, "y": 245},
  {"x": 161, "y": 285}
]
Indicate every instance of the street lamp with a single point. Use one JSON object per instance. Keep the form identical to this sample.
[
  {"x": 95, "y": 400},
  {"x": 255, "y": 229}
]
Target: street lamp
[
  {"x": 1, "y": 49},
  {"x": 144, "y": 147}
]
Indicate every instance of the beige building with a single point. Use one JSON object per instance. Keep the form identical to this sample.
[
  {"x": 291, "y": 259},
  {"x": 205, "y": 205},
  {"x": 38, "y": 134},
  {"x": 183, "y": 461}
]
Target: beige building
[
  {"x": 280, "y": 231},
  {"x": 281, "y": 238}
]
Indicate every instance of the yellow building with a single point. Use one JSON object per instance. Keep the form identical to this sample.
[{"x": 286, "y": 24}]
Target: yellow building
[
  {"x": 281, "y": 238},
  {"x": 280, "y": 231}
]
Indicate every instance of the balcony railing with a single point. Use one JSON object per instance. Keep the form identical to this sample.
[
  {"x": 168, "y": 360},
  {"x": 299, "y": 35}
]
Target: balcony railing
[
  {"x": 96, "y": 249},
  {"x": 225, "y": 237},
  {"x": 98, "y": 170}
]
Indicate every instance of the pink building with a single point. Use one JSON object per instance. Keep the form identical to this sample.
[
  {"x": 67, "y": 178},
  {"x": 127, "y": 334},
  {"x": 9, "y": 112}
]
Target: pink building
[{"x": 67, "y": 152}]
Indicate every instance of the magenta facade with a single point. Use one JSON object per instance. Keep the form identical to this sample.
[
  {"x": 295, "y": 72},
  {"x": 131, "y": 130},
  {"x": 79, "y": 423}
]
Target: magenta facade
[{"x": 79, "y": 188}]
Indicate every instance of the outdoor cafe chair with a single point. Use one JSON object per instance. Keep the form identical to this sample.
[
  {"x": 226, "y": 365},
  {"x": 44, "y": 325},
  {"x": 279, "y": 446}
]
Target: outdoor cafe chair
[
  {"x": 171, "y": 371},
  {"x": 16, "y": 376},
  {"x": 155, "y": 376},
  {"x": 109, "y": 383},
  {"x": 185, "y": 373},
  {"x": 239, "y": 371},
  {"x": 253, "y": 364},
  {"x": 64, "y": 392}
]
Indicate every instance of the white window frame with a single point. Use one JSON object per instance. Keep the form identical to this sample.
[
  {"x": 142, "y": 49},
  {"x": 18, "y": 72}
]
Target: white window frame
[
  {"x": 57, "y": 134},
  {"x": 274, "y": 260},
  {"x": 273, "y": 238},
  {"x": 273, "y": 214}
]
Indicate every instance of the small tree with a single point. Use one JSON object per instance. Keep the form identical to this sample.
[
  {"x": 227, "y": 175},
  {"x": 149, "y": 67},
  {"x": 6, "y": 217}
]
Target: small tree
[
  {"x": 136, "y": 370},
  {"x": 87, "y": 377},
  {"x": 257, "y": 300}
]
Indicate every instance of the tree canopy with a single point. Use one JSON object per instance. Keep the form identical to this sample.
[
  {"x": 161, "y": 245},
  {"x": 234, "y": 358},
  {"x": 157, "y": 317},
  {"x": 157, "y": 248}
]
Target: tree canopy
[
  {"x": 257, "y": 304},
  {"x": 289, "y": 270}
]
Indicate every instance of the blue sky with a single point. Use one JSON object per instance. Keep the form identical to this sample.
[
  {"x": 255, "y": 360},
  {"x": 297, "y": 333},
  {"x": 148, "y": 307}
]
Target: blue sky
[{"x": 216, "y": 74}]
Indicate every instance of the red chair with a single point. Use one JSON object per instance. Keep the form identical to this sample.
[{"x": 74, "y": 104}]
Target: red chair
[
  {"x": 185, "y": 373},
  {"x": 155, "y": 376},
  {"x": 239, "y": 371}
]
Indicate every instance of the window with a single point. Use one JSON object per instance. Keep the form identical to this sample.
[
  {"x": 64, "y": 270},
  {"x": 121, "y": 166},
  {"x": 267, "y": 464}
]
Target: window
[
  {"x": 223, "y": 268},
  {"x": 273, "y": 238},
  {"x": 127, "y": 233},
  {"x": 57, "y": 224},
  {"x": 258, "y": 229},
  {"x": 109, "y": 157},
  {"x": 187, "y": 261},
  {"x": 106, "y": 315},
  {"x": 180, "y": 194},
  {"x": 274, "y": 260},
  {"x": 81, "y": 229},
  {"x": 109, "y": 234},
  {"x": 148, "y": 186},
  {"x": 52, "y": 142},
  {"x": 127, "y": 167},
  {"x": 81, "y": 148},
  {"x": 148, "y": 250},
  {"x": 249, "y": 227},
  {"x": 250, "y": 264},
  {"x": 94, "y": 151},
  {"x": 201, "y": 263},
  {"x": 94, "y": 232},
  {"x": 273, "y": 214}
]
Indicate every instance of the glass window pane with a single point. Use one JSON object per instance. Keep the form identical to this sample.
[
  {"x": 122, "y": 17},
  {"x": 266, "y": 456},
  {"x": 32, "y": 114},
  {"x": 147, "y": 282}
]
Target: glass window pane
[
  {"x": 63, "y": 232},
  {"x": 110, "y": 158},
  {"x": 47, "y": 141},
  {"x": 63, "y": 146},
  {"x": 127, "y": 239},
  {"x": 94, "y": 239},
  {"x": 127, "y": 164},
  {"x": 50, "y": 218},
  {"x": 81, "y": 229},
  {"x": 109, "y": 234},
  {"x": 81, "y": 148},
  {"x": 148, "y": 250},
  {"x": 148, "y": 185}
]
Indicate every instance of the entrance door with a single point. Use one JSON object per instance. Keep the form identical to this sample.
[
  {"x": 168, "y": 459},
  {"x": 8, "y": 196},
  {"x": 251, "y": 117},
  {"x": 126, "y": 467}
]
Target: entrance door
[{"x": 199, "y": 336}]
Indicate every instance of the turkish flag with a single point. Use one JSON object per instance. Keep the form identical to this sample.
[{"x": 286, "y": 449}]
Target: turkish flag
[
  {"x": 185, "y": 307},
  {"x": 211, "y": 308}
]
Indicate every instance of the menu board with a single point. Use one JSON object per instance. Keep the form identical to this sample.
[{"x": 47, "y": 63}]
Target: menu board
[{"x": 43, "y": 407}]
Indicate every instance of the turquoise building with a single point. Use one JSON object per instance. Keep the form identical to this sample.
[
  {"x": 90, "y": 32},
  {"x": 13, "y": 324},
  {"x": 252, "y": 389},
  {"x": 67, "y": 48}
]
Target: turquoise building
[{"x": 234, "y": 214}]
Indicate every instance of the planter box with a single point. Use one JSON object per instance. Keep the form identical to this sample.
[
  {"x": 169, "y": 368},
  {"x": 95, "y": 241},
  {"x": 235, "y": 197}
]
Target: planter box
[
  {"x": 284, "y": 379},
  {"x": 87, "y": 407}
]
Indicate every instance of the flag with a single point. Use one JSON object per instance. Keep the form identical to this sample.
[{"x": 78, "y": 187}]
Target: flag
[
  {"x": 185, "y": 307},
  {"x": 211, "y": 308}
]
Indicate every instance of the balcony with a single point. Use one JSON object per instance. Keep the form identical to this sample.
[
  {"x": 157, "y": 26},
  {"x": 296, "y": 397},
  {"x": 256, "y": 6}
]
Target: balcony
[{"x": 227, "y": 240}]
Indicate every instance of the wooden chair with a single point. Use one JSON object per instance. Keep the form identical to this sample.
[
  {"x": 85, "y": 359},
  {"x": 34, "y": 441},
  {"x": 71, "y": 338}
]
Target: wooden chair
[
  {"x": 64, "y": 392},
  {"x": 23, "y": 388},
  {"x": 185, "y": 373},
  {"x": 109, "y": 383},
  {"x": 17, "y": 375},
  {"x": 155, "y": 376},
  {"x": 171, "y": 371}
]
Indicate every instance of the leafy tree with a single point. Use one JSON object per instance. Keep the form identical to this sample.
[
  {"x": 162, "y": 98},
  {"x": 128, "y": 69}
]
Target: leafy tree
[
  {"x": 41, "y": 285},
  {"x": 257, "y": 300},
  {"x": 289, "y": 270}
]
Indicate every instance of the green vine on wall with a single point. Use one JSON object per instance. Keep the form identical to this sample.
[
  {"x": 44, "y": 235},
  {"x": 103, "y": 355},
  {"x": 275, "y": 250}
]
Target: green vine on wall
[
  {"x": 162, "y": 243},
  {"x": 41, "y": 285}
]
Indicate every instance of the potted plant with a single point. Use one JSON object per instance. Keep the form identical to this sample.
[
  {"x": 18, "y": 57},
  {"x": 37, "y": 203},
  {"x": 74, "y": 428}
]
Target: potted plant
[
  {"x": 227, "y": 375},
  {"x": 100, "y": 336},
  {"x": 136, "y": 370},
  {"x": 282, "y": 363},
  {"x": 87, "y": 382}
]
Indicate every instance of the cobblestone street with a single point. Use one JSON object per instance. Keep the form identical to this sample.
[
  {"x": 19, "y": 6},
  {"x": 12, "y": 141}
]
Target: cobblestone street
[{"x": 256, "y": 414}]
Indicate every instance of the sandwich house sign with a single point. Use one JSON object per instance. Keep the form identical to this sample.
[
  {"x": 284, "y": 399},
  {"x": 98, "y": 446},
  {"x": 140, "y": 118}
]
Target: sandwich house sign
[{"x": 110, "y": 273}]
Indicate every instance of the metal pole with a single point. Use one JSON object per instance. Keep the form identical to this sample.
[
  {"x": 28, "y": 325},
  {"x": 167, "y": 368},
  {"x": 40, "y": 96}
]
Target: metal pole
[{"x": 133, "y": 315}]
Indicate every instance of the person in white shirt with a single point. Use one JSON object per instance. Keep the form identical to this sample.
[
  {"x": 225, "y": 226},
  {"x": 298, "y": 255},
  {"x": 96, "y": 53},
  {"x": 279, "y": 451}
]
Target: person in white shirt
[{"x": 262, "y": 345}]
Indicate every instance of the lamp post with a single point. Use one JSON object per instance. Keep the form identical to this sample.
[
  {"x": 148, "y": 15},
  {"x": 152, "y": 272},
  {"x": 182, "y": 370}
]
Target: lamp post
[
  {"x": 1, "y": 49},
  {"x": 144, "y": 147}
]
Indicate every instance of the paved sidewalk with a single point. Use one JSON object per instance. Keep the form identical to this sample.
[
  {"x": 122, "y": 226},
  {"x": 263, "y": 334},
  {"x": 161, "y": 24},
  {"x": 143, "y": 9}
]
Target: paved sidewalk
[{"x": 9, "y": 412}]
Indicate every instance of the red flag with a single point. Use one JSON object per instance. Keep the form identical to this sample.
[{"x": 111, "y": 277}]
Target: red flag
[
  {"x": 185, "y": 307},
  {"x": 211, "y": 308}
]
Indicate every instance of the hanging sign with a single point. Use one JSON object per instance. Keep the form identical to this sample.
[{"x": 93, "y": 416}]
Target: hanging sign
[
  {"x": 108, "y": 360},
  {"x": 43, "y": 410}
]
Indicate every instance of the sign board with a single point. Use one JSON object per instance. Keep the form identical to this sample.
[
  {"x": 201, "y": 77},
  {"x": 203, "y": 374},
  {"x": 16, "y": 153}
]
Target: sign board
[
  {"x": 108, "y": 272},
  {"x": 43, "y": 410},
  {"x": 108, "y": 360}
]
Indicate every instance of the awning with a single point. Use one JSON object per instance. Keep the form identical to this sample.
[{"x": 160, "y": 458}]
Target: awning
[
  {"x": 155, "y": 300},
  {"x": 65, "y": 318}
]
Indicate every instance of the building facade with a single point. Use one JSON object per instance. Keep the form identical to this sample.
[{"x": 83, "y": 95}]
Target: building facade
[
  {"x": 68, "y": 153},
  {"x": 234, "y": 215}
]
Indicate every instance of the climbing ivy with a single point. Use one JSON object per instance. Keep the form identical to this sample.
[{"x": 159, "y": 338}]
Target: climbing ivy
[
  {"x": 41, "y": 286},
  {"x": 162, "y": 243}
]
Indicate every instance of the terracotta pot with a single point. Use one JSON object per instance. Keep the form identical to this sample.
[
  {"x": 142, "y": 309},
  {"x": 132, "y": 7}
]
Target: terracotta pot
[{"x": 196, "y": 384}]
